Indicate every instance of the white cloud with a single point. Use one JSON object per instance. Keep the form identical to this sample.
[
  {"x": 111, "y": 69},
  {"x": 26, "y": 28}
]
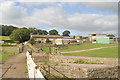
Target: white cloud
[
  {"x": 58, "y": 18},
  {"x": 11, "y": 14},
  {"x": 66, "y": 0},
  {"x": 110, "y": 6}
]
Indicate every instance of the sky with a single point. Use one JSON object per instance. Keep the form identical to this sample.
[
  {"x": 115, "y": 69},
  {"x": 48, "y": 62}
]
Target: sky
[{"x": 79, "y": 17}]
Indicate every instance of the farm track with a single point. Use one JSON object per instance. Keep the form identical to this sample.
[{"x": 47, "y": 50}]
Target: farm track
[
  {"x": 87, "y": 49},
  {"x": 14, "y": 67}
]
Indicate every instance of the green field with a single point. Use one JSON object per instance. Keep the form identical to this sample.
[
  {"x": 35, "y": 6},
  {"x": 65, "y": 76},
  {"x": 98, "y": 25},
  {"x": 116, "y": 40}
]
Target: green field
[
  {"x": 5, "y": 38},
  {"x": 106, "y": 52},
  {"x": 7, "y": 51},
  {"x": 84, "y": 46}
]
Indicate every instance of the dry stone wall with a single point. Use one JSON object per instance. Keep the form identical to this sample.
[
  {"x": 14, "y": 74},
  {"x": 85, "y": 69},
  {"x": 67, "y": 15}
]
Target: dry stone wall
[
  {"x": 66, "y": 66},
  {"x": 81, "y": 71},
  {"x": 71, "y": 59}
]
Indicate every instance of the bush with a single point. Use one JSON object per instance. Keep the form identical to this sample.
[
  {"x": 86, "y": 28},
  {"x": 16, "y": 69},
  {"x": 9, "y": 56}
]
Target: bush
[
  {"x": 47, "y": 40},
  {"x": 39, "y": 41},
  {"x": 31, "y": 41}
]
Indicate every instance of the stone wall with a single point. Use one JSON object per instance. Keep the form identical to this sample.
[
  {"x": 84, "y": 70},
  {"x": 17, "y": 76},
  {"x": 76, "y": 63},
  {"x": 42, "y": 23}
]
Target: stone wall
[
  {"x": 66, "y": 66},
  {"x": 71, "y": 59},
  {"x": 81, "y": 71}
]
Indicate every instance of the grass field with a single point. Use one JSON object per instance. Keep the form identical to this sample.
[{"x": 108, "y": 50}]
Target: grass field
[
  {"x": 7, "y": 51},
  {"x": 84, "y": 46},
  {"x": 5, "y": 38},
  {"x": 106, "y": 52}
]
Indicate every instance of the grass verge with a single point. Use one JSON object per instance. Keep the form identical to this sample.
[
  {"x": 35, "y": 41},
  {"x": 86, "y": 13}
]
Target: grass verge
[{"x": 7, "y": 51}]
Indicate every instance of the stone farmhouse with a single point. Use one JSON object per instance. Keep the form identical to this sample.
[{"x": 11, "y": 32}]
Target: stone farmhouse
[{"x": 55, "y": 39}]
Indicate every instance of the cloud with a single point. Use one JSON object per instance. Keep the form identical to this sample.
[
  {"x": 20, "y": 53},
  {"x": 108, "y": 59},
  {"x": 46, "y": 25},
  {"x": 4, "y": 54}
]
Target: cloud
[
  {"x": 57, "y": 17},
  {"x": 109, "y": 6},
  {"x": 66, "y": 0},
  {"x": 11, "y": 14}
]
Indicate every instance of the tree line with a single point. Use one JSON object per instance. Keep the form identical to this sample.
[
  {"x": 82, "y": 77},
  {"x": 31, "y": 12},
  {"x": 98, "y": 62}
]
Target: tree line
[
  {"x": 23, "y": 34},
  {"x": 7, "y": 30}
]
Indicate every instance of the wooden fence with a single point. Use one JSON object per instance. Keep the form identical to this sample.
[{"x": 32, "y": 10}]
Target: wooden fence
[{"x": 33, "y": 70}]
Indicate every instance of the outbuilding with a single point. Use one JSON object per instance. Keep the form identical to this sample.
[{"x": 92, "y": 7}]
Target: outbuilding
[{"x": 104, "y": 40}]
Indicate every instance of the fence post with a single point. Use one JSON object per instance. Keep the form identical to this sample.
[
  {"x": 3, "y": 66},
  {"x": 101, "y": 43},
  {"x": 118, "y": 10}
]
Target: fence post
[{"x": 49, "y": 69}]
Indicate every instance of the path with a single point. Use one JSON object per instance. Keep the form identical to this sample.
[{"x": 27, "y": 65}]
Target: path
[
  {"x": 87, "y": 49},
  {"x": 15, "y": 67}
]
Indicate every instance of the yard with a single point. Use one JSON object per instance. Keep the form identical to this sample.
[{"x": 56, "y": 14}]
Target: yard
[
  {"x": 106, "y": 52},
  {"x": 84, "y": 46}
]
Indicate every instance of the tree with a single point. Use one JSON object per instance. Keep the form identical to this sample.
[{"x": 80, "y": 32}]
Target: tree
[
  {"x": 66, "y": 33},
  {"x": 47, "y": 40},
  {"x": 84, "y": 37},
  {"x": 38, "y": 31},
  {"x": 7, "y": 30},
  {"x": 35, "y": 32},
  {"x": 111, "y": 35},
  {"x": 73, "y": 37},
  {"x": 44, "y": 32},
  {"x": 53, "y": 32},
  {"x": 32, "y": 29},
  {"x": 32, "y": 41},
  {"x": 20, "y": 35}
]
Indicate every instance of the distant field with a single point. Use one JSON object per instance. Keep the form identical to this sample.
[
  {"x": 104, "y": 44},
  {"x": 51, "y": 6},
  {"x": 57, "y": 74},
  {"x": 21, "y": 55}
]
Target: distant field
[
  {"x": 106, "y": 52},
  {"x": 5, "y": 38},
  {"x": 84, "y": 46},
  {"x": 7, "y": 51}
]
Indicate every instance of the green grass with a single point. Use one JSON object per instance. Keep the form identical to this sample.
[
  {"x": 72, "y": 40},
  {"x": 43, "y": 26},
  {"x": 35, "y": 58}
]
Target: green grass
[
  {"x": 82, "y": 62},
  {"x": 5, "y": 38},
  {"x": 84, "y": 46},
  {"x": 7, "y": 51},
  {"x": 106, "y": 53},
  {"x": 46, "y": 49}
]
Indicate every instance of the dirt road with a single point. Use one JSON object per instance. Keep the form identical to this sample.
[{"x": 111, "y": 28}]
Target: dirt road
[
  {"x": 87, "y": 49},
  {"x": 15, "y": 67}
]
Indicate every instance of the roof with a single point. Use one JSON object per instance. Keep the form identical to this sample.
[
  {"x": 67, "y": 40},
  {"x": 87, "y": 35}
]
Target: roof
[
  {"x": 47, "y": 36},
  {"x": 98, "y": 34}
]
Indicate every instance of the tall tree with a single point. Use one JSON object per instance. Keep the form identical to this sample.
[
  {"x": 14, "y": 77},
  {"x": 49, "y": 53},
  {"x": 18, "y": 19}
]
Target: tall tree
[
  {"x": 44, "y": 32},
  {"x": 31, "y": 29},
  {"x": 66, "y": 33},
  {"x": 53, "y": 32},
  {"x": 7, "y": 30},
  {"x": 20, "y": 35}
]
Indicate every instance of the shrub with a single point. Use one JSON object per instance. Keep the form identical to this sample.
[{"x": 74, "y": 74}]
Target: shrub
[
  {"x": 31, "y": 41},
  {"x": 47, "y": 40},
  {"x": 39, "y": 41}
]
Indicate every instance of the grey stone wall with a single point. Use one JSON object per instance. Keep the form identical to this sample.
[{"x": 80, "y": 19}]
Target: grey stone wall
[
  {"x": 81, "y": 71},
  {"x": 71, "y": 59},
  {"x": 66, "y": 66}
]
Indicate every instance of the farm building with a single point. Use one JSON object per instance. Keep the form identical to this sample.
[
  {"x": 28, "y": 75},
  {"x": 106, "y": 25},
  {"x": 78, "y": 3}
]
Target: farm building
[
  {"x": 43, "y": 38},
  {"x": 100, "y": 38},
  {"x": 104, "y": 40},
  {"x": 55, "y": 39}
]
